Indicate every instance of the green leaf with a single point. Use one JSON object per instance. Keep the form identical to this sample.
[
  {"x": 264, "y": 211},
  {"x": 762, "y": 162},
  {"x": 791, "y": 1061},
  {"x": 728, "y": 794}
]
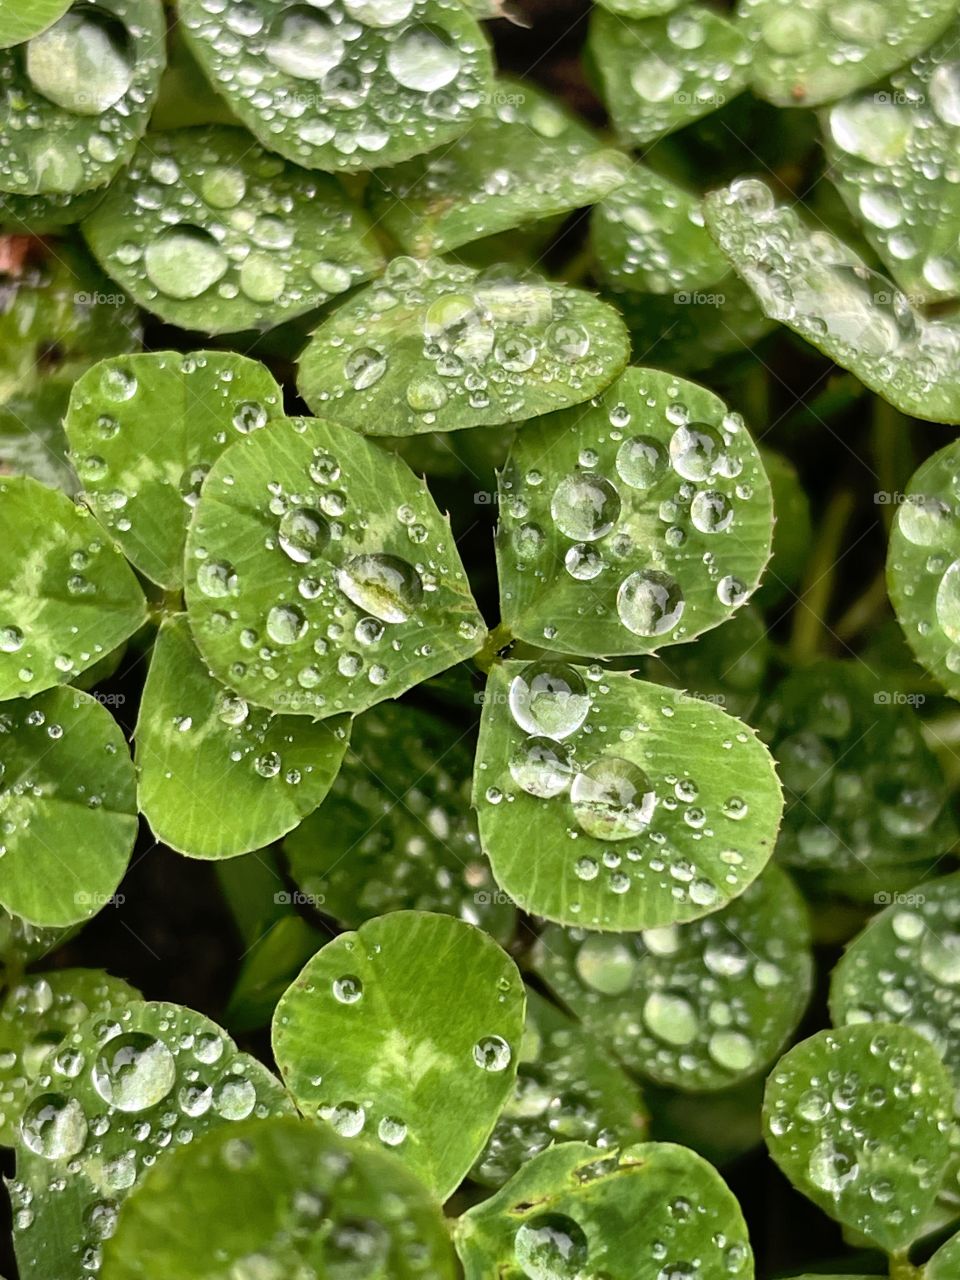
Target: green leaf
[
  {"x": 532, "y": 159},
  {"x": 123, "y": 1089},
  {"x": 863, "y": 789},
  {"x": 642, "y": 520},
  {"x": 78, "y": 95},
  {"x": 22, "y": 943},
  {"x": 320, "y": 575},
  {"x": 230, "y": 237},
  {"x": 144, "y": 430},
  {"x": 217, "y": 776},
  {"x": 857, "y": 1119},
  {"x": 37, "y": 1014},
  {"x": 279, "y": 1197},
  {"x": 437, "y": 347},
  {"x": 923, "y": 566},
  {"x": 821, "y": 289},
  {"x": 293, "y": 76},
  {"x": 716, "y": 999},
  {"x": 67, "y": 596},
  {"x": 68, "y": 806},
  {"x": 33, "y": 215},
  {"x": 792, "y": 530},
  {"x": 640, "y": 8},
  {"x": 21, "y": 19},
  {"x": 660, "y": 73},
  {"x": 267, "y": 969},
  {"x": 650, "y": 808},
  {"x": 945, "y": 1263},
  {"x": 891, "y": 156},
  {"x": 576, "y": 1210},
  {"x": 397, "y": 830},
  {"x": 805, "y": 56},
  {"x": 648, "y": 236},
  {"x": 904, "y": 967},
  {"x": 376, "y": 1036},
  {"x": 568, "y": 1089}
]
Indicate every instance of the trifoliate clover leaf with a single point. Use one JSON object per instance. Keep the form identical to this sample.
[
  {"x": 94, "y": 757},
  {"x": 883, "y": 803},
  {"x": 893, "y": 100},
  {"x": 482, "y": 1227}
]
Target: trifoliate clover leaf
[
  {"x": 144, "y": 431},
  {"x": 862, "y": 787},
  {"x": 648, "y": 236},
  {"x": 229, "y": 237},
  {"x": 68, "y": 803},
  {"x": 67, "y": 596},
  {"x": 650, "y": 808},
  {"x": 397, "y": 831},
  {"x": 567, "y": 1089},
  {"x": 923, "y": 567},
  {"x": 285, "y": 1197},
  {"x": 820, "y": 288},
  {"x": 77, "y": 97},
  {"x": 437, "y": 347},
  {"x": 815, "y": 52},
  {"x": 637, "y": 522},
  {"x": 891, "y": 157},
  {"x": 122, "y": 1089},
  {"x": 532, "y": 159},
  {"x": 217, "y": 776},
  {"x": 376, "y": 1037},
  {"x": 858, "y": 1121},
  {"x": 698, "y": 1006},
  {"x": 576, "y": 1210},
  {"x": 358, "y": 84},
  {"x": 21, "y": 19},
  {"x": 320, "y": 575},
  {"x": 660, "y": 73},
  {"x": 905, "y": 966},
  {"x": 36, "y": 1016}
]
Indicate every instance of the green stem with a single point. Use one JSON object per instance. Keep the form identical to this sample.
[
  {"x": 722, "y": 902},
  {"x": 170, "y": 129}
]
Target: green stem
[
  {"x": 810, "y": 610},
  {"x": 901, "y": 1268},
  {"x": 499, "y": 638},
  {"x": 886, "y": 436},
  {"x": 864, "y": 610}
]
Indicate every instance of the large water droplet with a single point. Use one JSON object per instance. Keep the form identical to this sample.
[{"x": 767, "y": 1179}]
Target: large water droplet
[
  {"x": 303, "y": 534},
  {"x": 184, "y": 262},
  {"x": 613, "y": 799},
  {"x": 641, "y": 461},
  {"x": 650, "y": 603},
  {"x": 304, "y": 43},
  {"x": 423, "y": 59},
  {"x": 585, "y": 506},
  {"x": 54, "y": 1127},
  {"x": 134, "y": 1071},
  {"x": 607, "y": 964},
  {"x": 385, "y": 586},
  {"x": 492, "y": 1053},
  {"x": 549, "y": 699},
  {"x": 551, "y": 1246},
  {"x": 541, "y": 767},
  {"x": 82, "y": 63},
  {"x": 671, "y": 1018}
]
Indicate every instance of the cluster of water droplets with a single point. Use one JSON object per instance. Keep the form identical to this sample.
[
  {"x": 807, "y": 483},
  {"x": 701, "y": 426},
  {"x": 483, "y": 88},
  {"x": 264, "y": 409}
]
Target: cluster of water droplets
[
  {"x": 113, "y": 1096},
  {"x": 76, "y": 97},
  {"x": 862, "y": 787},
  {"x": 202, "y": 215},
  {"x": 625, "y": 826},
  {"x": 346, "y": 84},
  {"x": 648, "y": 522},
  {"x": 815, "y": 284},
  {"x": 906, "y": 968},
  {"x": 341, "y": 611}
]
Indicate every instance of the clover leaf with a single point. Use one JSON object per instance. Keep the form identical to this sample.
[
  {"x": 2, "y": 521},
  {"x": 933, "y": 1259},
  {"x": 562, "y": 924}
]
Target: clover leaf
[
  {"x": 218, "y": 777},
  {"x": 546, "y": 161},
  {"x": 396, "y": 830},
  {"x": 576, "y": 1210},
  {"x": 944, "y": 1262},
  {"x": 231, "y": 236},
  {"x": 639, "y": 8},
  {"x": 66, "y": 768},
  {"x": 662, "y": 72},
  {"x": 144, "y": 430},
  {"x": 642, "y": 520},
  {"x": 727, "y": 667},
  {"x": 122, "y": 1089},
  {"x": 567, "y": 1089},
  {"x": 816, "y": 52},
  {"x": 36, "y": 1016},
  {"x": 374, "y": 1038},
  {"x": 923, "y": 567},
  {"x": 863, "y": 788},
  {"x": 437, "y": 347},
  {"x": 857, "y": 1119},
  {"x": 21, "y": 19},
  {"x": 67, "y": 596},
  {"x": 292, "y": 75},
  {"x": 819, "y": 287},
  {"x": 282, "y": 1196},
  {"x": 650, "y": 808},
  {"x": 697, "y": 1006},
  {"x": 904, "y": 968},
  {"x": 320, "y": 575},
  {"x": 78, "y": 95}
]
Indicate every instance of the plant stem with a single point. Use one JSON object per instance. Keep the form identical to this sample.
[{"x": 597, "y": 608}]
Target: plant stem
[
  {"x": 887, "y": 433},
  {"x": 499, "y": 638},
  {"x": 810, "y": 610},
  {"x": 901, "y": 1268},
  {"x": 864, "y": 609}
]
